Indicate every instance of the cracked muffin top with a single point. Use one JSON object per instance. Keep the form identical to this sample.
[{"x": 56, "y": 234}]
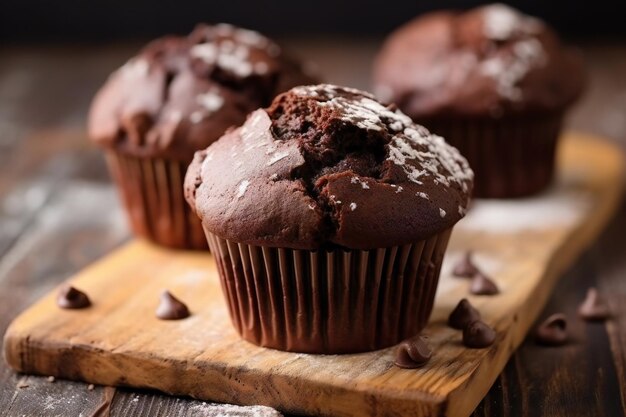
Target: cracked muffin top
[
  {"x": 180, "y": 94},
  {"x": 489, "y": 61},
  {"x": 324, "y": 167}
]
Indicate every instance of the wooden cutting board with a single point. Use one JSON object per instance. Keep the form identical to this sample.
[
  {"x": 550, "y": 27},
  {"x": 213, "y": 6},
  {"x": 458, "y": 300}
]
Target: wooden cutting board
[{"x": 523, "y": 244}]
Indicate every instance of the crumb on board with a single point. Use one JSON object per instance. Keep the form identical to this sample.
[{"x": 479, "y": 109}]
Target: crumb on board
[{"x": 91, "y": 387}]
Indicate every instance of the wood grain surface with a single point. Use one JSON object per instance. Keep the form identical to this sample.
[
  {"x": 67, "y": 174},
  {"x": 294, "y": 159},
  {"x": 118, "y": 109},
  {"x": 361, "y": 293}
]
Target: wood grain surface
[
  {"x": 118, "y": 341},
  {"x": 44, "y": 238}
]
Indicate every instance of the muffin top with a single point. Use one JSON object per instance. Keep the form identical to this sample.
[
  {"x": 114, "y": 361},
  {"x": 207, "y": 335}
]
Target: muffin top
[
  {"x": 489, "y": 61},
  {"x": 181, "y": 93},
  {"x": 327, "y": 166}
]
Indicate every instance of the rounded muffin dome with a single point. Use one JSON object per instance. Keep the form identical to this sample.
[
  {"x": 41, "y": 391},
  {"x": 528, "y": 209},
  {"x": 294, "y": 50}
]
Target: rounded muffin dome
[
  {"x": 491, "y": 61},
  {"x": 327, "y": 166},
  {"x": 179, "y": 94}
]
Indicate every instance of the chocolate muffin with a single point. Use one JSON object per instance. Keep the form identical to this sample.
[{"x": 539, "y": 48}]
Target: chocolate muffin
[
  {"x": 178, "y": 95},
  {"x": 494, "y": 82},
  {"x": 330, "y": 233}
]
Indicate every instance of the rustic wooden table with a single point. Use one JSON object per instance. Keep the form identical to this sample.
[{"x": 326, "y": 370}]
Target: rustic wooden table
[{"x": 58, "y": 213}]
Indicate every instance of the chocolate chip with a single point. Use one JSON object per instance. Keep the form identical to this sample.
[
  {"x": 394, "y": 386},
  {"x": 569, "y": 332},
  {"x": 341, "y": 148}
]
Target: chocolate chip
[
  {"x": 478, "y": 335},
  {"x": 553, "y": 331},
  {"x": 483, "y": 285},
  {"x": 413, "y": 353},
  {"x": 462, "y": 315},
  {"x": 71, "y": 298},
  {"x": 465, "y": 267},
  {"x": 594, "y": 307},
  {"x": 171, "y": 308}
]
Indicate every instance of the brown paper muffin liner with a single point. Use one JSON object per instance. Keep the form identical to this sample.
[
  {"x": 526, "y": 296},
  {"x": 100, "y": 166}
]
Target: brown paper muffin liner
[
  {"x": 152, "y": 192},
  {"x": 511, "y": 157},
  {"x": 329, "y": 301}
]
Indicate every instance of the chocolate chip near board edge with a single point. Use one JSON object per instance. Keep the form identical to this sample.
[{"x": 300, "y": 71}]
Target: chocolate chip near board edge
[
  {"x": 552, "y": 331},
  {"x": 413, "y": 353},
  {"x": 171, "y": 308},
  {"x": 478, "y": 335},
  {"x": 483, "y": 285},
  {"x": 462, "y": 315},
  {"x": 594, "y": 307},
  {"x": 71, "y": 298},
  {"x": 465, "y": 267}
]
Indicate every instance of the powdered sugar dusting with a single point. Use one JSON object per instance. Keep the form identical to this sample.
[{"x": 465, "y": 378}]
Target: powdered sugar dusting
[
  {"x": 252, "y": 38},
  {"x": 243, "y": 186},
  {"x": 210, "y": 100},
  {"x": 233, "y": 55},
  {"x": 364, "y": 111},
  {"x": 196, "y": 117},
  {"x": 277, "y": 157},
  {"x": 353, "y": 206},
  {"x": 419, "y": 153},
  {"x": 175, "y": 116},
  {"x": 223, "y": 56},
  {"x": 135, "y": 68},
  {"x": 357, "y": 180},
  {"x": 248, "y": 128},
  {"x": 508, "y": 71},
  {"x": 441, "y": 161},
  {"x": 424, "y": 158},
  {"x": 222, "y": 410},
  {"x": 501, "y": 22}
]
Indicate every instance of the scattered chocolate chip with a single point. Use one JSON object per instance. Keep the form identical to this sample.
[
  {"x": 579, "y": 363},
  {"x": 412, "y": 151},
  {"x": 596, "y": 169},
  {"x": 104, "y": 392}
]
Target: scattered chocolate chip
[
  {"x": 462, "y": 315},
  {"x": 171, "y": 308},
  {"x": 413, "y": 353},
  {"x": 465, "y": 267},
  {"x": 594, "y": 307},
  {"x": 51, "y": 379},
  {"x": 553, "y": 331},
  {"x": 71, "y": 298},
  {"x": 478, "y": 335},
  {"x": 91, "y": 387},
  {"x": 483, "y": 285}
]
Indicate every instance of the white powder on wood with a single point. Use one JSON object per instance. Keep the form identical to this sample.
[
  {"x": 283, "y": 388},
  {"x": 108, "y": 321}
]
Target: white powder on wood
[
  {"x": 229, "y": 410},
  {"x": 554, "y": 208}
]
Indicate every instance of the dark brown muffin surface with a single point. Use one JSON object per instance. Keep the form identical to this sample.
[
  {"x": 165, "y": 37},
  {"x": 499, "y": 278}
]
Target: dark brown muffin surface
[
  {"x": 327, "y": 166},
  {"x": 490, "y": 61},
  {"x": 181, "y": 93}
]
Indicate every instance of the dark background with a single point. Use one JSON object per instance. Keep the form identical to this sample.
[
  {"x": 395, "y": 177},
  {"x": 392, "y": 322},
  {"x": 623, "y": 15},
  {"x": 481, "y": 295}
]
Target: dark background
[{"x": 88, "y": 20}]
